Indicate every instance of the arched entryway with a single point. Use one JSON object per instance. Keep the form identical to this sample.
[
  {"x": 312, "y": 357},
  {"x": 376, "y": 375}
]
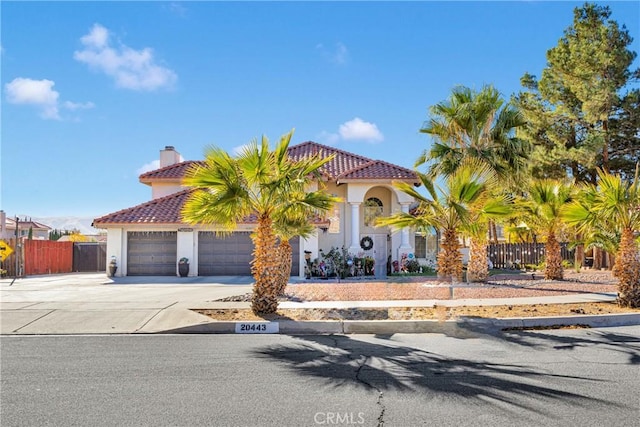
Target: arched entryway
[{"x": 378, "y": 202}]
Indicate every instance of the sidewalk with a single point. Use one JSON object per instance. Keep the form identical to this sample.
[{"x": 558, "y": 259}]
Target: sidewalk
[{"x": 95, "y": 304}]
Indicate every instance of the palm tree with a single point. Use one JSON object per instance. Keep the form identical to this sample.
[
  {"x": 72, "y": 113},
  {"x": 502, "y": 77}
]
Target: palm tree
[
  {"x": 286, "y": 229},
  {"x": 453, "y": 209},
  {"x": 478, "y": 125},
  {"x": 488, "y": 207},
  {"x": 257, "y": 182},
  {"x": 616, "y": 204},
  {"x": 543, "y": 211}
]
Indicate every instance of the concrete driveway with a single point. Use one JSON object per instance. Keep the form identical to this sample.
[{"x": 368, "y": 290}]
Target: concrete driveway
[{"x": 94, "y": 303}]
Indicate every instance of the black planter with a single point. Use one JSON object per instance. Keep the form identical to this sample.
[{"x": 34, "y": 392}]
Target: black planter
[
  {"x": 183, "y": 270},
  {"x": 112, "y": 270}
]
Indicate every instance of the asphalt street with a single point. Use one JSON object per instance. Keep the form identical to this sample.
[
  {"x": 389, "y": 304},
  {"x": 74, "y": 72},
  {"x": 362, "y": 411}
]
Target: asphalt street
[{"x": 583, "y": 377}]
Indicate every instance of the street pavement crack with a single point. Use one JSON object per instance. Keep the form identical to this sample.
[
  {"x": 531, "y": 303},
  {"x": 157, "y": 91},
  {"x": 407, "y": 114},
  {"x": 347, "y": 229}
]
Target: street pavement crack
[{"x": 379, "y": 401}]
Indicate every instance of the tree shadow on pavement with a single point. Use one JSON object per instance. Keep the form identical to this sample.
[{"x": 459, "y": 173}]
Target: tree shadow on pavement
[
  {"x": 628, "y": 345},
  {"x": 385, "y": 366}
]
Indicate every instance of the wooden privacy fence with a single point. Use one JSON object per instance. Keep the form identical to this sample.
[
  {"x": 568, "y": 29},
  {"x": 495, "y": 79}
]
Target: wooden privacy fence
[
  {"x": 518, "y": 255},
  {"x": 51, "y": 257},
  {"x": 89, "y": 256},
  {"x": 47, "y": 257},
  {"x": 9, "y": 264}
]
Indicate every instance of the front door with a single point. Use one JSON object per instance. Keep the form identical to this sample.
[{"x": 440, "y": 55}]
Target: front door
[{"x": 380, "y": 255}]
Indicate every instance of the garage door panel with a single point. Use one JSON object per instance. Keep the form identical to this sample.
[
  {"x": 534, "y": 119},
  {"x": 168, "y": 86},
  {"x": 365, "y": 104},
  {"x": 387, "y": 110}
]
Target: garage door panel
[
  {"x": 228, "y": 256},
  {"x": 151, "y": 253},
  {"x": 232, "y": 255}
]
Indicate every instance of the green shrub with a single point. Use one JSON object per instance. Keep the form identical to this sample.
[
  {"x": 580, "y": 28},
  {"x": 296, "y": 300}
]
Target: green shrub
[{"x": 413, "y": 266}]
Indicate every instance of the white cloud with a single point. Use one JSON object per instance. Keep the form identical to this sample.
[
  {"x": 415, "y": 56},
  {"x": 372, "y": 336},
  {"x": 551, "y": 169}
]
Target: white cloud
[
  {"x": 153, "y": 165},
  {"x": 239, "y": 149},
  {"x": 41, "y": 94},
  {"x": 130, "y": 68},
  {"x": 97, "y": 38},
  {"x": 34, "y": 92},
  {"x": 358, "y": 129},
  {"x": 353, "y": 130},
  {"x": 177, "y": 9},
  {"x": 73, "y": 106},
  {"x": 339, "y": 55}
]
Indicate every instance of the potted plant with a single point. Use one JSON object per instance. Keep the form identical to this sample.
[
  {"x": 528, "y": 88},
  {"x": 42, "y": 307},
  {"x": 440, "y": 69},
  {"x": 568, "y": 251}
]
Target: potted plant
[
  {"x": 113, "y": 266},
  {"x": 183, "y": 267}
]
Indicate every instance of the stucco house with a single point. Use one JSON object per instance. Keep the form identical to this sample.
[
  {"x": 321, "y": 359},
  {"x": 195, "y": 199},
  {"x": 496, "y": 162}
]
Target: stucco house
[
  {"x": 150, "y": 238},
  {"x": 39, "y": 231}
]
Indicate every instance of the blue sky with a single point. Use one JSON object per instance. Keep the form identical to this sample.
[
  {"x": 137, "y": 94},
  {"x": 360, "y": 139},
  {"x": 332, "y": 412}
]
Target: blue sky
[{"x": 91, "y": 91}]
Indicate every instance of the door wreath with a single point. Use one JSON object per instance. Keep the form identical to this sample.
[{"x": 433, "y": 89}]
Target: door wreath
[{"x": 366, "y": 243}]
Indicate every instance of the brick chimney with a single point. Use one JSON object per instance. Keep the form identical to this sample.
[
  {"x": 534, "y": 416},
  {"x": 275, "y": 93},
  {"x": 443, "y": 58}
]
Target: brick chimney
[{"x": 169, "y": 156}]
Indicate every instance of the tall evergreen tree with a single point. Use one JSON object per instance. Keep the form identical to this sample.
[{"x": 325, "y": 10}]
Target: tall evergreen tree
[{"x": 571, "y": 110}]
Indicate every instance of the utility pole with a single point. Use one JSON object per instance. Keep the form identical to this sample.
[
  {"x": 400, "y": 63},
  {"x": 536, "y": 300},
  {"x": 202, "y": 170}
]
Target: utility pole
[{"x": 17, "y": 255}]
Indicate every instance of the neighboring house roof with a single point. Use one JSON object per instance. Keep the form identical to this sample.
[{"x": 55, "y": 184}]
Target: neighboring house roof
[
  {"x": 24, "y": 224},
  {"x": 344, "y": 166},
  {"x": 164, "y": 210}
]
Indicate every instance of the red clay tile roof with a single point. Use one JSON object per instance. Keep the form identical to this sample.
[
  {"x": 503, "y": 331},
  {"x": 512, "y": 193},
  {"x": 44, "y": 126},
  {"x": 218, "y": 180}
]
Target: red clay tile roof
[
  {"x": 344, "y": 166},
  {"x": 377, "y": 169},
  {"x": 164, "y": 210},
  {"x": 171, "y": 173}
]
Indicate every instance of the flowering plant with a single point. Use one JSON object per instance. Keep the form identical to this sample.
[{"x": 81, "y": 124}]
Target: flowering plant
[{"x": 183, "y": 260}]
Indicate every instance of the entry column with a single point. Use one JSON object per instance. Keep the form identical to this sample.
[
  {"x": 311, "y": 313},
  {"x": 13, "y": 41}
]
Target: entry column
[
  {"x": 405, "y": 247},
  {"x": 355, "y": 227}
]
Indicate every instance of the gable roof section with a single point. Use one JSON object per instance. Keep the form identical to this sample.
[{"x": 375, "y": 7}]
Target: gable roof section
[
  {"x": 376, "y": 170},
  {"x": 342, "y": 163},
  {"x": 169, "y": 173},
  {"x": 344, "y": 166},
  {"x": 164, "y": 210}
]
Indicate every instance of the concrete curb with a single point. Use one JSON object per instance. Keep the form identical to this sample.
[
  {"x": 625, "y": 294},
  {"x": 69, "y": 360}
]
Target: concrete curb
[{"x": 386, "y": 327}]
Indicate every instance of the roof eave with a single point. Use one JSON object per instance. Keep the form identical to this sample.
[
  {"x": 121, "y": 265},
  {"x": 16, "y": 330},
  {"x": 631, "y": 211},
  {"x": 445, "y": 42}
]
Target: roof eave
[{"x": 376, "y": 181}]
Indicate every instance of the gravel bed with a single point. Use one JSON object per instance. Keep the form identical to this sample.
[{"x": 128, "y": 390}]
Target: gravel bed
[{"x": 499, "y": 286}]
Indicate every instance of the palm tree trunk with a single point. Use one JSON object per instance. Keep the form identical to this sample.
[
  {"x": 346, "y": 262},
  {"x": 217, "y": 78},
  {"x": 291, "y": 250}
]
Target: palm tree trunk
[
  {"x": 478, "y": 269},
  {"x": 597, "y": 258},
  {"x": 553, "y": 259},
  {"x": 450, "y": 259},
  {"x": 578, "y": 258},
  {"x": 627, "y": 270},
  {"x": 285, "y": 261},
  {"x": 265, "y": 268},
  {"x": 494, "y": 231}
]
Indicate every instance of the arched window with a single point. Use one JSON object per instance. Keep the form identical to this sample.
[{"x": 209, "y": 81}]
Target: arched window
[{"x": 372, "y": 210}]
